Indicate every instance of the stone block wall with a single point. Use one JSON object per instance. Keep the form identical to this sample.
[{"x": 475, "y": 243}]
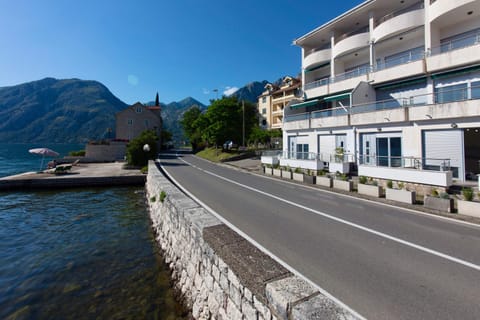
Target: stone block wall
[{"x": 220, "y": 274}]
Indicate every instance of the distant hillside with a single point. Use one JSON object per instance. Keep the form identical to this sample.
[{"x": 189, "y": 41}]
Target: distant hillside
[
  {"x": 173, "y": 112},
  {"x": 251, "y": 91},
  {"x": 52, "y": 110}
]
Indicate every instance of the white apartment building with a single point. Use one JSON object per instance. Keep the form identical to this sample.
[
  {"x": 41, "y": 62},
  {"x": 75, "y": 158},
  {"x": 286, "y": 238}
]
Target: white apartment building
[{"x": 391, "y": 88}]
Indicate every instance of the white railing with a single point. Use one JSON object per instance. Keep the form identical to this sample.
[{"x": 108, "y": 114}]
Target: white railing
[
  {"x": 416, "y": 6},
  {"x": 458, "y": 43},
  {"x": 431, "y": 164},
  {"x": 324, "y": 157},
  {"x": 443, "y": 95}
]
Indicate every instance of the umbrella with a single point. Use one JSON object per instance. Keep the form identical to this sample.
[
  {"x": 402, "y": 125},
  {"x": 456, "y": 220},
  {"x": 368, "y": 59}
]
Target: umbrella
[{"x": 44, "y": 152}]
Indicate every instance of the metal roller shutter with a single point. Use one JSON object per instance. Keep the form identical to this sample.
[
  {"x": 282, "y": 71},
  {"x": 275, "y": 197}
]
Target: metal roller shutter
[{"x": 444, "y": 144}]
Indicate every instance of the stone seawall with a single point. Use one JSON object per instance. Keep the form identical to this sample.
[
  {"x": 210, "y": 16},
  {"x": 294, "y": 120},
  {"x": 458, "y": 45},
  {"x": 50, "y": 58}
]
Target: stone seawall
[{"x": 219, "y": 273}]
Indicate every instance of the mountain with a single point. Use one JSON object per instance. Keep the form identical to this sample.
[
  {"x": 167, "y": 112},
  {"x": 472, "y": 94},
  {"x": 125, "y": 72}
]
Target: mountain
[
  {"x": 251, "y": 91},
  {"x": 51, "y": 110},
  {"x": 173, "y": 112}
]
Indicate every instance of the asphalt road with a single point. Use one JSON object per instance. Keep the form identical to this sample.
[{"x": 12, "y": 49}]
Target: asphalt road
[{"x": 383, "y": 262}]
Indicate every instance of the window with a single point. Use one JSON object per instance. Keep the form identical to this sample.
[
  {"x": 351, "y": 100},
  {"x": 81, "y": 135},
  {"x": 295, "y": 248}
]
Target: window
[
  {"x": 302, "y": 151},
  {"x": 452, "y": 93},
  {"x": 264, "y": 111},
  {"x": 389, "y": 152},
  {"x": 264, "y": 99},
  {"x": 130, "y": 122},
  {"x": 475, "y": 87},
  {"x": 138, "y": 110}
]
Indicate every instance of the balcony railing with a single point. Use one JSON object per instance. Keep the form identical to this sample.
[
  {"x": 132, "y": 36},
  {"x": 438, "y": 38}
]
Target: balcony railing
[
  {"x": 415, "y": 6},
  {"x": 324, "y": 47},
  {"x": 432, "y": 164},
  {"x": 317, "y": 83},
  {"x": 324, "y": 157},
  {"x": 356, "y": 72},
  {"x": 352, "y": 33},
  {"x": 333, "y": 112},
  {"x": 442, "y": 95},
  {"x": 408, "y": 57},
  {"x": 272, "y": 153},
  {"x": 468, "y": 40}
]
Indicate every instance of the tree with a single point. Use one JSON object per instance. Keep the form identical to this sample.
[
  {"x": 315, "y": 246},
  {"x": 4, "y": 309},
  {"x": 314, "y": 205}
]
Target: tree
[
  {"x": 225, "y": 119},
  {"x": 157, "y": 101},
  {"x": 136, "y": 155},
  {"x": 192, "y": 126}
]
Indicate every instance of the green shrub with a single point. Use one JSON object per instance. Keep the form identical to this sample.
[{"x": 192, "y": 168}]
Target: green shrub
[
  {"x": 136, "y": 156},
  {"x": 389, "y": 184},
  {"x": 434, "y": 192},
  {"x": 362, "y": 179},
  {"x": 79, "y": 153},
  {"x": 401, "y": 185},
  {"x": 444, "y": 195},
  {"x": 144, "y": 170},
  {"x": 163, "y": 195},
  {"x": 374, "y": 183},
  {"x": 298, "y": 170},
  {"x": 467, "y": 193},
  {"x": 153, "y": 199}
]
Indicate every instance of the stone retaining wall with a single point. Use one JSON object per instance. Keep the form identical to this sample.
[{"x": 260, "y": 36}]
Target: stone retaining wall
[{"x": 219, "y": 273}]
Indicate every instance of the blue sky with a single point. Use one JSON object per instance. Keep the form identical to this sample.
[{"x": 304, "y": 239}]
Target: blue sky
[{"x": 178, "y": 48}]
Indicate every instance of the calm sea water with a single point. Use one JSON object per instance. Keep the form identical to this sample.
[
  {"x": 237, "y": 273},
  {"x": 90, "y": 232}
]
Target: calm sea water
[{"x": 78, "y": 254}]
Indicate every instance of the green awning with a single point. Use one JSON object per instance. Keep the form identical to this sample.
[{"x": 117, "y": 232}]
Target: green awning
[
  {"x": 455, "y": 72},
  {"x": 304, "y": 104},
  {"x": 337, "y": 97},
  {"x": 402, "y": 84},
  {"x": 317, "y": 67}
]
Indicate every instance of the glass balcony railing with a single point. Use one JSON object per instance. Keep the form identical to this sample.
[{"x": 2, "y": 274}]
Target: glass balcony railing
[
  {"x": 405, "y": 162},
  {"x": 466, "y": 40},
  {"x": 317, "y": 83},
  {"x": 456, "y": 93},
  {"x": 416, "y": 6},
  {"x": 330, "y": 113},
  {"x": 408, "y": 57}
]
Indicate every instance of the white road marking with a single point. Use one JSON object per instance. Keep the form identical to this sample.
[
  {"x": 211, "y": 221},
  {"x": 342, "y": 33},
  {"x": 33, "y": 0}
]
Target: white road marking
[{"x": 354, "y": 225}]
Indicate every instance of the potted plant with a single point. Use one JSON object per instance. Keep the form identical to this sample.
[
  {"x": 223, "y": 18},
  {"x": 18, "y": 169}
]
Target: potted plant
[
  {"x": 297, "y": 175},
  {"x": 467, "y": 206},
  {"x": 401, "y": 194},
  {"x": 323, "y": 179},
  {"x": 341, "y": 182},
  {"x": 286, "y": 173},
  {"x": 277, "y": 171},
  {"x": 308, "y": 177},
  {"x": 369, "y": 187},
  {"x": 268, "y": 169},
  {"x": 439, "y": 202}
]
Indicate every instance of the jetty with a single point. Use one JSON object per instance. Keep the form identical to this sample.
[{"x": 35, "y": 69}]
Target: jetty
[{"x": 78, "y": 176}]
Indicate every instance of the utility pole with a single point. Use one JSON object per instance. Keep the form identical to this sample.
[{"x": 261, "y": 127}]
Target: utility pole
[{"x": 243, "y": 123}]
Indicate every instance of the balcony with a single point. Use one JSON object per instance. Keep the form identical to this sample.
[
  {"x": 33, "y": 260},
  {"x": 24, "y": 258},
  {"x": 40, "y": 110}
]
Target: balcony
[
  {"x": 352, "y": 41},
  {"x": 408, "y": 169},
  {"x": 328, "y": 118},
  {"x": 399, "y": 21},
  {"x": 317, "y": 57},
  {"x": 348, "y": 80},
  {"x": 403, "y": 67},
  {"x": 297, "y": 121},
  {"x": 456, "y": 52},
  {"x": 447, "y": 104},
  {"x": 305, "y": 160},
  {"x": 454, "y": 9}
]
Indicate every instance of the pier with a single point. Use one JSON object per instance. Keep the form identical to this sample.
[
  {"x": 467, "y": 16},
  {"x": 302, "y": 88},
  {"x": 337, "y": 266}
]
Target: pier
[{"x": 81, "y": 175}]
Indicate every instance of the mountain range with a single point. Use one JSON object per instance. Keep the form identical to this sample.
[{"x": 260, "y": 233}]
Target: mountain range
[{"x": 77, "y": 111}]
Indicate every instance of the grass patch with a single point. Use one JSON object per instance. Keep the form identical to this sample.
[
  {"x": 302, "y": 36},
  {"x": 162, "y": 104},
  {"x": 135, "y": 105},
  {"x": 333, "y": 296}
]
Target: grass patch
[
  {"x": 163, "y": 195},
  {"x": 215, "y": 155}
]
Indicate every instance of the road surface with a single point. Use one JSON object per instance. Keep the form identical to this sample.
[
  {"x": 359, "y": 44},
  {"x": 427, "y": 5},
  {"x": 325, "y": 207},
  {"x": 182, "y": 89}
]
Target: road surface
[{"x": 381, "y": 261}]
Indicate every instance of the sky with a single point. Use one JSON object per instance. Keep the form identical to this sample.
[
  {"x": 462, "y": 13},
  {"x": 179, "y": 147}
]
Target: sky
[{"x": 178, "y": 48}]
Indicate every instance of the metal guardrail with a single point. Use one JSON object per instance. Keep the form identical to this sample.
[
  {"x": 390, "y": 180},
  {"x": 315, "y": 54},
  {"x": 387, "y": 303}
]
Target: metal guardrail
[{"x": 457, "y": 43}]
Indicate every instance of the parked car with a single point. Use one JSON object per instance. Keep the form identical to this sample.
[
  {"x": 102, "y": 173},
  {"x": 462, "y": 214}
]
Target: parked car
[{"x": 228, "y": 145}]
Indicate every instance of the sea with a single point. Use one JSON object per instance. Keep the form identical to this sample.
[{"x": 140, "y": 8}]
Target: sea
[{"x": 86, "y": 253}]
